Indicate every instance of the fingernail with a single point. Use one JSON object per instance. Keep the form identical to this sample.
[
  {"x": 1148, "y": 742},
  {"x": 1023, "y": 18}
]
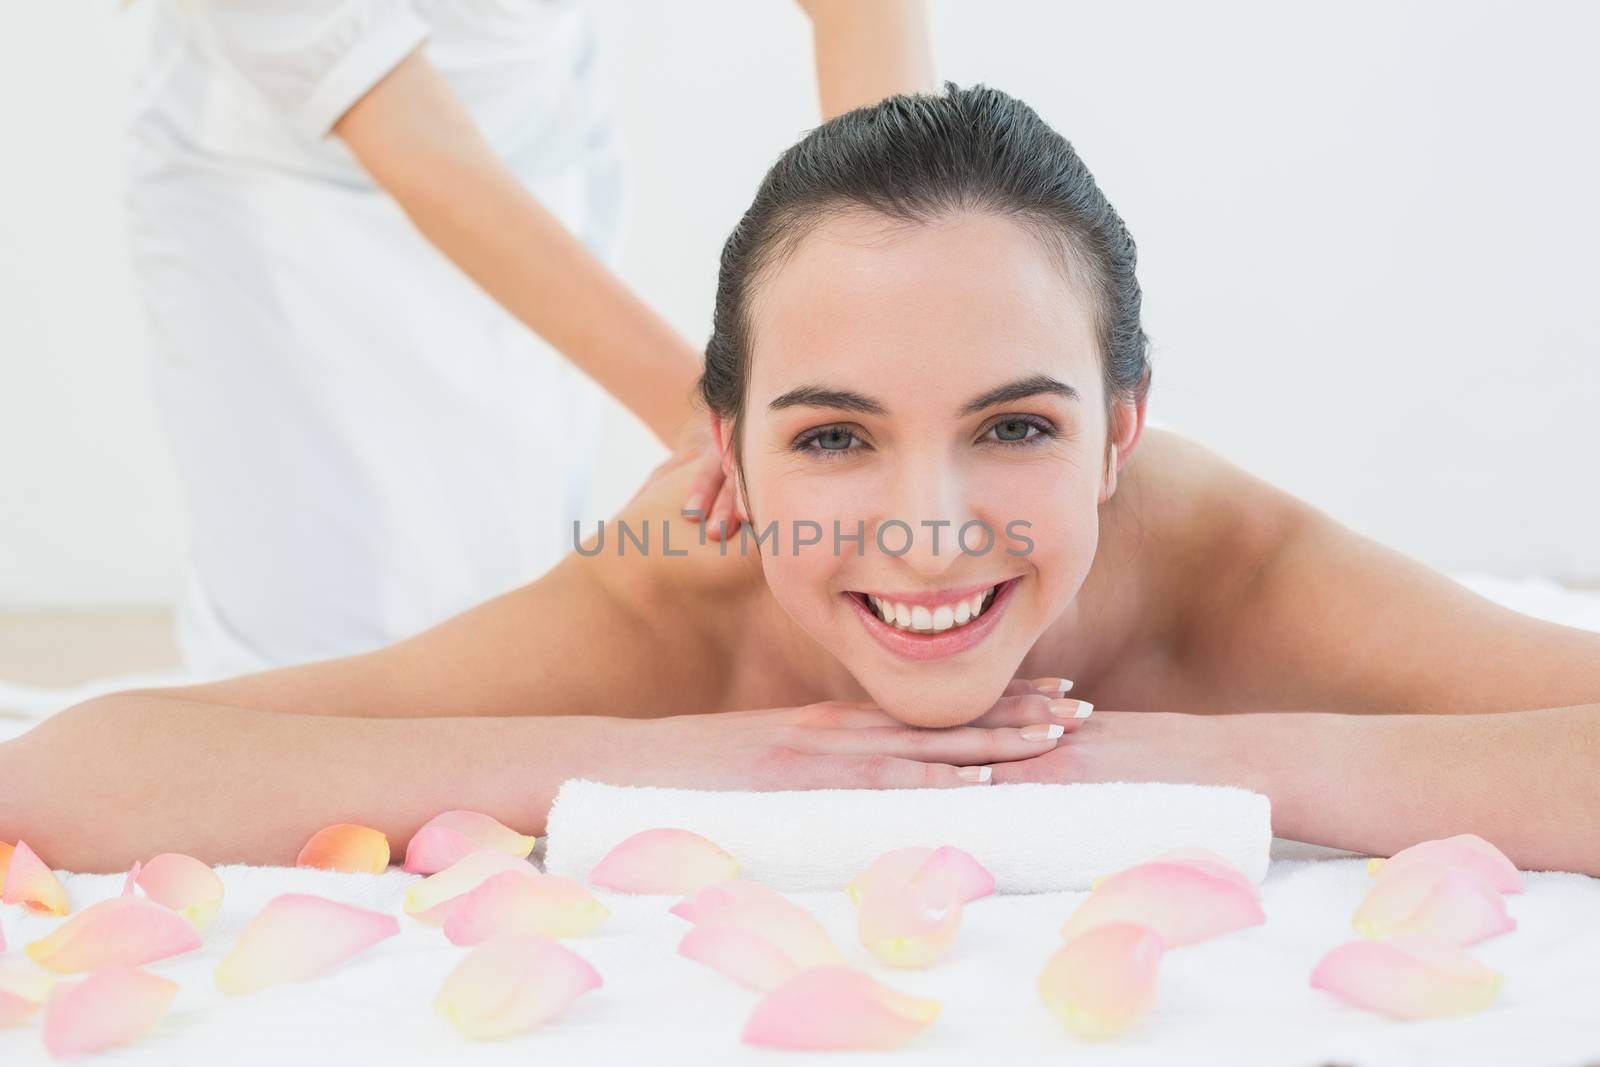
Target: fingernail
[
  {"x": 1071, "y": 709},
  {"x": 696, "y": 502},
  {"x": 1052, "y": 686},
  {"x": 1042, "y": 731},
  {"x": 975, "y": 774}
]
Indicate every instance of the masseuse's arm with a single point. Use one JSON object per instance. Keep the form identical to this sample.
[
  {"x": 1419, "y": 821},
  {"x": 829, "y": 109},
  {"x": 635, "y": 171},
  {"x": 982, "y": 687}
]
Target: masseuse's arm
[
  {"x": 417, "y": 140},
  {"x": 1459, "y": 715},
  {"x": 867, "y": 50}
]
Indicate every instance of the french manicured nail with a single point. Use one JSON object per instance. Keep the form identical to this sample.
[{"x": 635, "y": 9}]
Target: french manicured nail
[
  {"x": 975, "y": 774},
  {"x": 1042, "y": 731},
  {"x": 1052, "y": 686},
  {"x": 1071, "y": 709}
]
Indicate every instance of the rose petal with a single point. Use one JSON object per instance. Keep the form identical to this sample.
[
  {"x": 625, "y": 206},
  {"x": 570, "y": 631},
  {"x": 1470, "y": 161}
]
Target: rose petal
[
  {"x": 111, "y": 1007},
  {"x": 431, "y": 899},
  {"x": 1406, "y": 978},
  {"x": 31, "y": 883},
  {"x": 1180, "y": 902},
  {"x": 897, "y": 865},
  {"x": 837, "y": 1007},
  {"x": 513, "y": 983},
  {"x": 739, "y": 952},
  {"x": 446, "y": 838},
  {"x": 21, "y": 993},
  {"x": 1466, "y": 850},
  {"x": 663, "y": 860},
  {"x": 1104, "y": 980},
  {"x": 1449, "y": 904},
  {"x": 756, "y": 936},
  {"x": 523, "y": 902},
  {"x": 119, "y": 930},
  {"x": 298, "y": 936},
  {"x": 346, "y": 846},
  {"x": 182, "y": 883},
  {"x": 1204, "y": 859},
  {"x": 705, "y": 903},
  {"x": 909, "y": 923}
]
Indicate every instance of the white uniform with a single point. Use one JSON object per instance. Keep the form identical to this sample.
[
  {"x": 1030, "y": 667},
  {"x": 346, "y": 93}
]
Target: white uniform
[{"x": 369, "y": 442}]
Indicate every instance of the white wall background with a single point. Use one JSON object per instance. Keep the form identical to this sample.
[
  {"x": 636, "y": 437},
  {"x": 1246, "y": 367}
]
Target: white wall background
[{"x": 1368, "y": 244}]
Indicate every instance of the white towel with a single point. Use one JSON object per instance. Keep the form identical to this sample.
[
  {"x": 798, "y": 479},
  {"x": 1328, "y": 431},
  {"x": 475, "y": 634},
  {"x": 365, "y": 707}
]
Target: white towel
[{"x": 1033, "y": 838}]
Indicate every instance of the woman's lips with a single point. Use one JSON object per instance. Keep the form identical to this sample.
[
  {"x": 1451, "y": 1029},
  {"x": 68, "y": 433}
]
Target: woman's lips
[{"x": 918, "y": 646}]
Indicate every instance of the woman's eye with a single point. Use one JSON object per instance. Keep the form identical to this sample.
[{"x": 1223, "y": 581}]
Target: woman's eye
[
  {"x": 831, "y": 442},
  {"x": 1018, "y": 431}
]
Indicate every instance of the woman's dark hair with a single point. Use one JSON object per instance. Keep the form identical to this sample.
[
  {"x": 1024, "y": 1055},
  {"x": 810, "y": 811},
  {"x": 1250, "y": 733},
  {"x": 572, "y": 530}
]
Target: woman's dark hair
[{"x": 916, "y": 158}]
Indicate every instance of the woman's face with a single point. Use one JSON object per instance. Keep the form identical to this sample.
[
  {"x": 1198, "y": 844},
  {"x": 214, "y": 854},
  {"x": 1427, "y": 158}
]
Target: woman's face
[{"x": 926, "y": 382}]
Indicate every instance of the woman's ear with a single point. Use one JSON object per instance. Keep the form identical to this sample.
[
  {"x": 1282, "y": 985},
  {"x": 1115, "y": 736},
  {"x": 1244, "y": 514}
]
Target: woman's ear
[
  {"x": 1127, "y": 423},
  {"x": 722, "y": 434}
]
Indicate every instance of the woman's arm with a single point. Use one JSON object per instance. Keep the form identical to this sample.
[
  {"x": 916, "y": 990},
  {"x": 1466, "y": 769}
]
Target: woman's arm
[
  {"x": 123, "y": 777},
  {"x": 1529, "y": 781},
  {"x": 866, "y": 51},
  {"x": 417, "y": 140},
  {"x": 126, "y": 776}
]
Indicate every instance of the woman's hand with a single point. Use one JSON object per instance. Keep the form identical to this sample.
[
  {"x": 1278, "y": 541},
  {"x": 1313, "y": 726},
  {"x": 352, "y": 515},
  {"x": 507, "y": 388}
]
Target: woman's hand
[
  {"x": 1140, "y": 746},
  {"x": 836, "y": 744}
]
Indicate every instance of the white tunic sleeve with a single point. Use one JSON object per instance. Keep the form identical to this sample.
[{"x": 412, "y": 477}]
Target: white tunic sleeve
[{"x": 310, "y": 59}]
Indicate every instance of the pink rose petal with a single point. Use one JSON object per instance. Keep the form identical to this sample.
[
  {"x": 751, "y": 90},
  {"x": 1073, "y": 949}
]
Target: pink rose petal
[
  {"x": 663, "y": 860},
  {"x": 111, "y": 1007},
  {"x": 298, "y": 936},
  {"x": 757, "y": 937},
  {"x": 346, "y": 846},
  {"x": 909, "y": 923},
  {"x": 431, "y": 899},
  {"x": 21, "y": 993},
  {"x": 1204, "y": 859},
  {"x": 1447, "y": 903},
  {"x": 1182, "y": 903},
  {"x": 1103, "y": 981},
  {"x": 1407, "y": 978},
  {"x": 837, "y": 1007},
  {"x": 120, "y": 930},
  {"x": 707, "y": 902},
  {"x": 513, "y": 983},
  {"x": 523, "y": 902},
  {"x": 446, "y": 838},
  {"x": 182, "y": 883},
  {"x": 738, "y": 952},
  {"x": 1465, "y": 850},
  {"x": 31, "y": 883},
  {"x": 972, "y": 879}
]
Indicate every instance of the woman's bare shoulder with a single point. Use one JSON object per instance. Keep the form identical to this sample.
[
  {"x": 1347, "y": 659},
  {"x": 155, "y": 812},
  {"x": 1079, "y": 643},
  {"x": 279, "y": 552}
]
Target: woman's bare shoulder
[{"x": 1178, "y": 540}]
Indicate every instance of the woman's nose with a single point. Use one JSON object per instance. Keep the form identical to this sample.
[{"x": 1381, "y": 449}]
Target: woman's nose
[{"x": 929, "y": 506}]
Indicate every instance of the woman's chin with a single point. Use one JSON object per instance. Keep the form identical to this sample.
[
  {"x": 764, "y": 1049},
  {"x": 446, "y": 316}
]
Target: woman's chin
[{"x": 944, "y": 709}]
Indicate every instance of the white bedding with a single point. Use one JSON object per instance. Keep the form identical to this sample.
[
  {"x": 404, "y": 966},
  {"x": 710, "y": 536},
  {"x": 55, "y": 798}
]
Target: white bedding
[{"x": 1242, "y": 999}]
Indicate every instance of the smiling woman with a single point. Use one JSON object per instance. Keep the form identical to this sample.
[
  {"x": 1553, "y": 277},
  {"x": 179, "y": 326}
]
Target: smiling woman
[{"x": 927, "y": 345}]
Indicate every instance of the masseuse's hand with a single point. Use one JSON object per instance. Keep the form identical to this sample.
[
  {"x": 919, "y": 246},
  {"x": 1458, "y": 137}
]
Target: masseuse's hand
[
  {"x": 1142, "y": 746},
  {"x": 833, "y": 744},
  {"x": 710, "y": 494}
]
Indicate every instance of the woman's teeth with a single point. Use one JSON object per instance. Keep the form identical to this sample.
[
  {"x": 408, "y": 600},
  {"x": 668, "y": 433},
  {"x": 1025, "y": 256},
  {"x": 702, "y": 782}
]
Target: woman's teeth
[{"x": 919, "y": 618}]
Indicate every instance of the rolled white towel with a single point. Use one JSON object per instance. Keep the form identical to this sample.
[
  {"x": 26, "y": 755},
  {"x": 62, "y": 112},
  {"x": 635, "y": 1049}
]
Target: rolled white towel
[{"x": 1033, "y": 838}]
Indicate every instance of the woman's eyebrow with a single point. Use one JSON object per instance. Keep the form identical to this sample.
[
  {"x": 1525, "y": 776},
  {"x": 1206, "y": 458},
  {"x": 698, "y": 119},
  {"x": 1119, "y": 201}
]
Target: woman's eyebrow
[
  {"x": 1020, "y": 389},
  {"x": 816, "y": 396}
]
